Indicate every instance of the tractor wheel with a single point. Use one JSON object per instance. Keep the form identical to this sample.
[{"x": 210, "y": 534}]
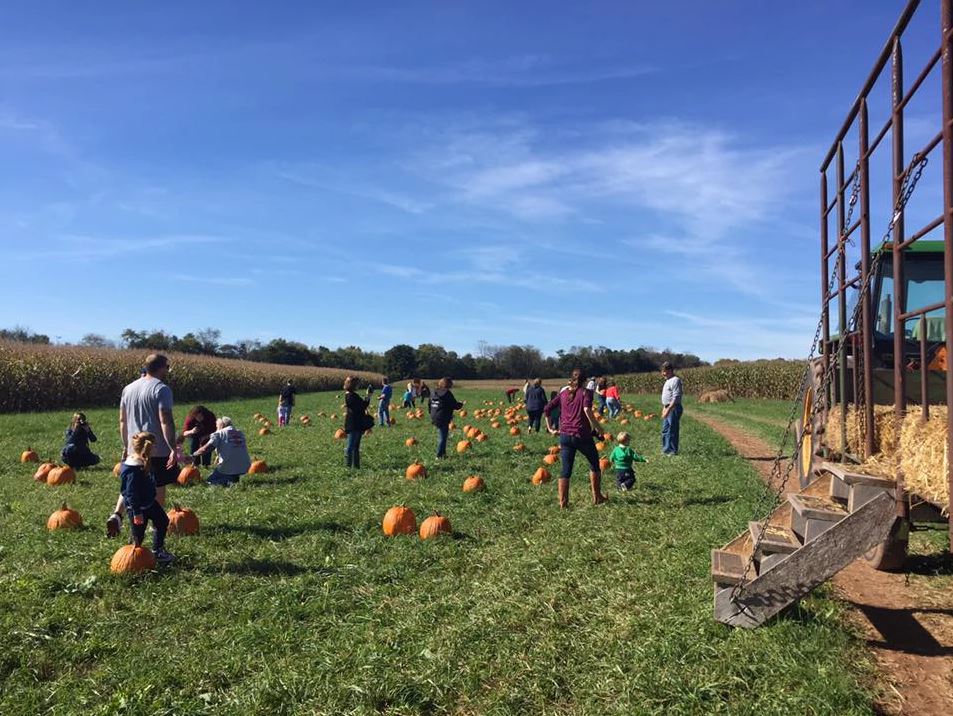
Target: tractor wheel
[
  {"x": 807, "y": 434},
  {"x": 890, "y": 555}
]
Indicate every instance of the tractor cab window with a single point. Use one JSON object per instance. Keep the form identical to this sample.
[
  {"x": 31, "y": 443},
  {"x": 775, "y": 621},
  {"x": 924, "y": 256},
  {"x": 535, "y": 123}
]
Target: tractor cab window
[{"x": 924, "y": 286}]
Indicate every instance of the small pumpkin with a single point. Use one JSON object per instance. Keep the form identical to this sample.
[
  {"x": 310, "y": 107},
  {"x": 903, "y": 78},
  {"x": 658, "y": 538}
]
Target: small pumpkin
[
  {"x": 481, "y": 438},
  {"x": 463, "y": 446},
  {"x": 61, "y": 476},
  {"x": 188, "y": 475},
  {"x": 554, "y": 449},
  {"x": 519, "y": 447},
  {"x": 551, "y": 459},
  {"x": 495, "y": 424},
  {"x": 607, "y": 437},
  {"x": 415, "y": 470},
  {"x": 29, "y": 455},
  {"x": 257, "y": 467},
  {"x": 462, "y": 413},
  {"x": 339, "y": 434},
  {"x": 600, "y": 446},
  {"x": 399, "y": 520},
  {"x": 183, "y": 521},
  {"x": 410, "y": 442},
  {"x": 604, "y": 463},
  {"x": 541, "y": 476},
  {"x": 624, "y": 421},
  {"x": 473, "y": 483},
  {"x": 64, "y": 519},
  {"x": 264, "y": 431},
  {"x": 514, "y": 430},
  {"x": 637, "y": 414},
  {"x": 132, "y": 559},
  {"x": 434, "y": 526},
  {"x": 44, "y": 470}
]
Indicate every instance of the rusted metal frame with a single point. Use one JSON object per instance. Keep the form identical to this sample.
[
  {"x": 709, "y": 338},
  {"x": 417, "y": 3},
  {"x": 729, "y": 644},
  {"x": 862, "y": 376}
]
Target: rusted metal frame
[
  {"x": 842, "y": 298},
  {"x": 938, "y": 221},
  {"x": 833, "y": 248},
  {"x": 830, "y": 207},
  {"x": 927, "y": 148},
  {"x": 946, "y": 15},
  {"x": 924, "y": 373},
  {"x": 922, "y": 311},
  {"x": 835, "y": 292},
  {"x": 899, "y": 289},
  {"x": 872, "y": 78},
  {"x": 915, "y": 85},
  {"x": 825, "y": 299},
  {"x": 866, "y": 329},
  {"x": 853, "y": 227},
  {"x": 849, "y": 179}
]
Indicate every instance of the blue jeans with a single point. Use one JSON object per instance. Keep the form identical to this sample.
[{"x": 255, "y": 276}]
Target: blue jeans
[
  {"x": 535, "y": 418},
  {"x": 352, "y": 453},
  {"x": 383, "y": 414},
  {"x": 615, "y": 407},
  {"x": 569, "y": 445},
  {"x": 221, "y": 479},
  {"x": 600, "y": 403},
  {"x": 670, "y": 426},
  {"x": 443, "y": 432}
]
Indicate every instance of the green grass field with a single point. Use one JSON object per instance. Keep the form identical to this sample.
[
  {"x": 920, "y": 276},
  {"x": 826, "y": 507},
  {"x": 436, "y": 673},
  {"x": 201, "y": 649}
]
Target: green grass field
[{"x": 292, "y": 601}]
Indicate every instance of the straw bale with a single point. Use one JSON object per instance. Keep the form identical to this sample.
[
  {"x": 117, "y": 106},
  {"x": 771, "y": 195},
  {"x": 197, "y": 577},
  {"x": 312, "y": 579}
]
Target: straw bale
[
  {"x": 715, "y": 396},
  {"x": 885, "y": 430},
  {"x": 923, "y": 455}
]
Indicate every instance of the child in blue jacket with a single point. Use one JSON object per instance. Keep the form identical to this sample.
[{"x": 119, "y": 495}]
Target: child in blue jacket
[{"x": 138, "y": 489}]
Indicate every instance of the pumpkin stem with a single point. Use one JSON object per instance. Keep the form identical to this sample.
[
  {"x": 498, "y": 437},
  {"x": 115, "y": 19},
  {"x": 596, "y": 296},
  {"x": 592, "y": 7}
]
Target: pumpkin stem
[{"x": 64, "y": 506}]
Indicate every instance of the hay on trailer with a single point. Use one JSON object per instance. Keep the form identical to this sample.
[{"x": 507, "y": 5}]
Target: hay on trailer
[
  {"x": 715, "y": 396},
  {"x": 885, "y": 430},
  {"x": 923, "y": 455}
]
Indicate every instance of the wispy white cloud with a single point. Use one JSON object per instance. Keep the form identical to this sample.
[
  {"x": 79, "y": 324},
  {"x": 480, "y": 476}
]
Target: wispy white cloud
[
  {"x": 92, "y": 248},
  {"x": 315, "y": 177},
  {"x": 213, "y": 280}
]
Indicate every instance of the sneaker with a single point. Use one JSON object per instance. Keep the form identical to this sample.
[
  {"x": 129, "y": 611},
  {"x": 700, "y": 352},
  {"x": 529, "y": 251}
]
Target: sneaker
[
  {"x": 113, "y": 525},
  {"x": 163, "y": 557}
]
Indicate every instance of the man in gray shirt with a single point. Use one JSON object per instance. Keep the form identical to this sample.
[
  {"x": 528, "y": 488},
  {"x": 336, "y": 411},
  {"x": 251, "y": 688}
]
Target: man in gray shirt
[
  {"x": 671, "y": 409},
  {"x": 146, "y": 406}
]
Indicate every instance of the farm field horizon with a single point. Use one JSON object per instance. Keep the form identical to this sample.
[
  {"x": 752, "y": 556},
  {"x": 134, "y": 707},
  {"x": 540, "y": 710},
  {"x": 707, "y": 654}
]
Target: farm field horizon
[{"x": 291, "y": 599}]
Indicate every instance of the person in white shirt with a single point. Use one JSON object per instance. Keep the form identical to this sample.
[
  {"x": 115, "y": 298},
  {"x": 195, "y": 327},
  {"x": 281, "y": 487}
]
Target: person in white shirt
[
  {"x": 671, "y": 409},
  {"x": 233, "y": 457}
]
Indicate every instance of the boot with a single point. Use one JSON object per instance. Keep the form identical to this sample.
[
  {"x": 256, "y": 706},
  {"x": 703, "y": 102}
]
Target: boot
[
  {"x": 595, "y": 482},
  {"x": 348, "y": 460},
  {"x": 563, "y": 484}
]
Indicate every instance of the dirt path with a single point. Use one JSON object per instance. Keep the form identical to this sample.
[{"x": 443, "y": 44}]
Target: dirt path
[{"x": 908, "y": 628}]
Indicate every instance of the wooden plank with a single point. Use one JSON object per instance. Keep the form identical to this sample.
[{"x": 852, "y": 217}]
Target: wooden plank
[
  {"x": 730, "y": 567},
  {"x": 857, "y": 478},
  {"x": 817, "y": 508},
  {"x": 775, "y": 539},
  {"x": 808, "y": 567}
]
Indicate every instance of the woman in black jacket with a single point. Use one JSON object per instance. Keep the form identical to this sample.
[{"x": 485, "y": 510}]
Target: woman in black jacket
[
  {"x": 356, "y": 420},
  {"x": 442, "y": 405},
  {"x": 535, "y": 402},
  {"x": 76, "y": 452}
]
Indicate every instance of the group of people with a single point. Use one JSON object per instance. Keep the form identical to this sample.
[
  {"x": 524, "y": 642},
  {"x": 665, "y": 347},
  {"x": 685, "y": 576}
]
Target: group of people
[{"x": 150, "y": 462}]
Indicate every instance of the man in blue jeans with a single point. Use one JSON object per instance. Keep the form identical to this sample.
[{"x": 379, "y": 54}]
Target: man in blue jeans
[
  {"x": 383, "y": 403},
  {"x": 671, "y": 410}
]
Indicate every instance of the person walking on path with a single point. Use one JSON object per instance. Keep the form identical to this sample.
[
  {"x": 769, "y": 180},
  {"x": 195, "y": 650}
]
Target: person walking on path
[
  {"x": 671, "y": 409},
  {"x": 286, "y": 402},
  {"x": 613, "y": 401},
  {"x": 233, "y": 458},
  {"x": 442, "y": 405},
  {"x": 146, "y": 407},
  {"x": 383, "y": 403},
  {"x": 577, "y": 426},
  {"x": 76, "y": 452},
  {"x": 535, "y": 402},
  {"x": 198, "y": 426},
  {"x": 356, "y": 420}
]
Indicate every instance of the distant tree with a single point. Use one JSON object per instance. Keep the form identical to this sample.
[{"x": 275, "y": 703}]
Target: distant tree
[
  {"x": 209, "y": 339},
  {"x": 23, "y": 334},
  {"x": 189, "y": 343},
  {"x": 400, "y": 362},
  {"x": 95, "y": 340},
  {"x": 287, "y": 352}
]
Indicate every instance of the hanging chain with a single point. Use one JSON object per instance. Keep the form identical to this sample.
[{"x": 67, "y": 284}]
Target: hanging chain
[{"x": 911, "y": 178}]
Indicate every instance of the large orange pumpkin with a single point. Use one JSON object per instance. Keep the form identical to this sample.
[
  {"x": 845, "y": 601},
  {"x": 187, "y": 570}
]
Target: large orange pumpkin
[
  {"x": 61, "y": 476},
  {"x": 541, "y": 475},
  {"x": 339, "y": 434},
  {"x": 264, "y": 431},
  {"x": 188, "y": 475},
  {"x": 519, "y": 447},
  {"x": 131, "y": 559},
  {"x": 410, "y": 442},
  {"x": 399, "y": 520},
  {"x": 29, "y": 456},
  {"x": 481, "y": 438},
  {"x": 463, "y": 446},
  {"x": 415, "y": 470},
  {"x": 514, "y": 430},
  {"x": 258, "y": 466},
  {"x": 183, "y": 521},
  {"x": 600, "y": 446},
  {"x": 43, "y": 471},
  {"x": 64, "y": 519},
  {"x": 473, "y": 483},
  {"x": 462, "y": 413},
  {"x": 604, "y": 463},
  {"x": 434, "y": 526},
  {"x": 551, "y": 459}
]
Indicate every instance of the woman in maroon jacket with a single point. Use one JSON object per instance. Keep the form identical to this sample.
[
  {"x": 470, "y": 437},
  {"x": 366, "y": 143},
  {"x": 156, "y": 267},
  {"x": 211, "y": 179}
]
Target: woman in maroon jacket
[
  {"x": 577, "y": 427},
  {"x": 199, "y": 425}
]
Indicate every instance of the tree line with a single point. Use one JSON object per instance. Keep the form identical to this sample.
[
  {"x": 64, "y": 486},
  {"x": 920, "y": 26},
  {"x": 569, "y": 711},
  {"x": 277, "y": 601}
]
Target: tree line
[{"x": 400, "y": 361}]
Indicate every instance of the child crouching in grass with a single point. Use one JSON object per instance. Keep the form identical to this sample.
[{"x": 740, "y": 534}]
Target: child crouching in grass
[
  {"x": 138, "y": 490},
  {"x": 622, "y": 459}
]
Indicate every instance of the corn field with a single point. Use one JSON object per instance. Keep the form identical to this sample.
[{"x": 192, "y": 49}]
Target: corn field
[
  {"x": 39, "y": 377},
  {"x": 773, "y": 379}
]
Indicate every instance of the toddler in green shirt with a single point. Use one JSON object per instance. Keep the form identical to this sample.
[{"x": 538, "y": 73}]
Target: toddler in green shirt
[{"x": 622, "y": 459}]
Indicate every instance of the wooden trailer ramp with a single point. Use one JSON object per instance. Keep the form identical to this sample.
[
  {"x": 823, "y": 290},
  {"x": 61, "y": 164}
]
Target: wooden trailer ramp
[{"x": 808, "y": 539}]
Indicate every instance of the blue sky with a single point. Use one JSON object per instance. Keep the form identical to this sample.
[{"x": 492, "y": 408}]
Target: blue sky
[{"x": 614, "y": 173}]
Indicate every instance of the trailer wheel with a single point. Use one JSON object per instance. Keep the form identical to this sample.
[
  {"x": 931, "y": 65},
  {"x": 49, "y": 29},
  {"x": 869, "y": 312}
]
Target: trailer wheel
[
  {"x": 807, "y": 434},
  {"x": 890, "y": 555}
]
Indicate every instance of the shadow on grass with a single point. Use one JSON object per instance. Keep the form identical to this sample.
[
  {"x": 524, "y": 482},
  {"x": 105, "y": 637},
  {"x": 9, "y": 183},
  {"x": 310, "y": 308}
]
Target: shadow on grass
[
  {"x": 710, "y": 500},
  {"x": 939, "y": 564},
  {"x": 277, "y": 534},
  {"x": 266, "y": 568},
  {"x": 256, "y": 481}
]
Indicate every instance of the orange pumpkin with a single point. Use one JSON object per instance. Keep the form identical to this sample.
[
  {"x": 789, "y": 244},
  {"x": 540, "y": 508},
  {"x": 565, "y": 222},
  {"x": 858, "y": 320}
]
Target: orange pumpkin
[
  {"x": 188, "y": 475},
  {"x": 514, "y": 430},
  {"x": 264, "y": 431},
  {"x": 434, "y": 526},
  {"x": 463, "y": 446},
  {"x": 541, "y": 476},
  {"x": 604, "y": 463},
  {"x": 415, "y": 470},
  {"x": 29, "y": 456},
  {"x": 44, "y": 470},
  {"x": 600, "y": 446},
  {"x": 554, "y": 449},
  {"x": 607, "y": 437},
  {"x": 481, "y": 438},
  {"x": 257, "y": 467},
  {"x": 399, "y": 520},
  {"x": 647, "y": 417},
  {"x": 64, "y": 519},
  {"x": 637, "y": 414},
  {"x": 473, "y": 484},
  {"x": 519, "y": 447},
  {"x": 410, "y": 442},
  {"x": 551, "y": 459},
  {"x": 339, "y": 434},
  {"x": 462, "y": 413},
  {"x": 624, "y": 421},
  {"x": 61, "y": 476},
  {"x": 183, "y": 521},
  {"x": 131, "y": 559}
]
